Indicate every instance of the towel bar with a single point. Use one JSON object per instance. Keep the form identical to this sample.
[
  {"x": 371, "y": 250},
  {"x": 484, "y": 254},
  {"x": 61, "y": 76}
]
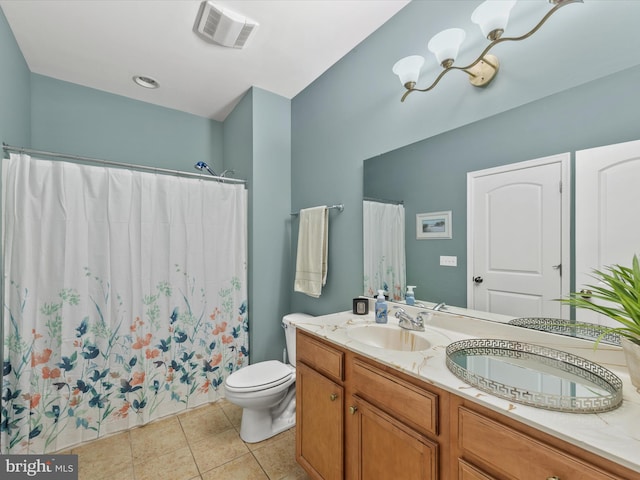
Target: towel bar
[{"x": 339, "y": 207}]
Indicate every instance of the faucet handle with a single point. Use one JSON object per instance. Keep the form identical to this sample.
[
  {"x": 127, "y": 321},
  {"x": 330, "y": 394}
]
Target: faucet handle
[{"x": 424, "y": 315}]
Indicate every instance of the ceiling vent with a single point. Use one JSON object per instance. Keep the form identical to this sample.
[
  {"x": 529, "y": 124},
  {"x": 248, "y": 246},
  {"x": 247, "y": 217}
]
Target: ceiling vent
[{"x": 224, "y": 27}]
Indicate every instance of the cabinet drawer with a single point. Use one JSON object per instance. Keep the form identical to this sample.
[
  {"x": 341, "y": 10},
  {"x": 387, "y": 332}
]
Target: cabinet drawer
[
  {"x": 413, "y": 405},
  {"x": 507, "y": 453},
  {"x": 320, "y": 356}
]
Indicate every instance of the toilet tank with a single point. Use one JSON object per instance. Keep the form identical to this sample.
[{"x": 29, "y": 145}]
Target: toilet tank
[{"x": 290, "y": 333}]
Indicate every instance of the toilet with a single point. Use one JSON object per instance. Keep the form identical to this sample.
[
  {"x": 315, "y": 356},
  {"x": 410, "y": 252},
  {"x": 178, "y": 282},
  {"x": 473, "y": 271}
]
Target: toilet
[{"x": 266, "y": 391}]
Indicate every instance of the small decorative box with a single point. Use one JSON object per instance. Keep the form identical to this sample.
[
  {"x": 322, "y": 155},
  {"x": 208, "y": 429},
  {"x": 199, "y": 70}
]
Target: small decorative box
[{"x": 360, "y": 306}]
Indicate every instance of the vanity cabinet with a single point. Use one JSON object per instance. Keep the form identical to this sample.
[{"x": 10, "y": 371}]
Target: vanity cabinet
[
  {"x": 494, "y": 448},
  {"x": 358, "y": 419},
  {"x": 390, "y": 421}
]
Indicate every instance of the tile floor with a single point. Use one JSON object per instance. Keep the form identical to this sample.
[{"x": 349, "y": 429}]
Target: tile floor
[{"x": 201, "y": 444}]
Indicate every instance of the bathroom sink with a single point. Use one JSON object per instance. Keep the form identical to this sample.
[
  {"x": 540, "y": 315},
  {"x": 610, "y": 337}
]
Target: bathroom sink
[{"x": 389, "y": 337}]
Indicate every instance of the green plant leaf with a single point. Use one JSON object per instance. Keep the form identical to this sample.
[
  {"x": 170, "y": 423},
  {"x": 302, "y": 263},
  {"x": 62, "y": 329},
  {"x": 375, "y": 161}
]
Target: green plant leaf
[{"x": 618, "y": 287}]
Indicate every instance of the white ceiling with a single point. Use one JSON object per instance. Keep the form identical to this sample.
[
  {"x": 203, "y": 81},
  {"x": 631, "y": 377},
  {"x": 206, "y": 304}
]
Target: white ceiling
[{"x": 102, "y": 44}]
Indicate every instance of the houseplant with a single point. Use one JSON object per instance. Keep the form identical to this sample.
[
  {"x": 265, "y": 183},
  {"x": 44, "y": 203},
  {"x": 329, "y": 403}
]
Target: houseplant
[{"x": 619, "y": 288}]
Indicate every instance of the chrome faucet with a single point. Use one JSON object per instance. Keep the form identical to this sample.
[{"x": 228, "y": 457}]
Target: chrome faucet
[
  {"x": 407, "y": 322},
  {"x": 440, "y": 306}
]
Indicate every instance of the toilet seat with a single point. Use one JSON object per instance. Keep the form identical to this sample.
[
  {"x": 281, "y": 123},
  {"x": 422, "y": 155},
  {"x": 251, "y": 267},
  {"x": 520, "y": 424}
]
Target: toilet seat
[{"x": 259, "y": 376}]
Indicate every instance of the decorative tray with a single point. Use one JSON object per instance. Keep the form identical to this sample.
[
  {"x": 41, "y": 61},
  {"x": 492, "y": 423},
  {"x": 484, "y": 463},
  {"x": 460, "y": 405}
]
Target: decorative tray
[
  {"x": 587, "y": 331},
  {"x": 534, "y": 375}
]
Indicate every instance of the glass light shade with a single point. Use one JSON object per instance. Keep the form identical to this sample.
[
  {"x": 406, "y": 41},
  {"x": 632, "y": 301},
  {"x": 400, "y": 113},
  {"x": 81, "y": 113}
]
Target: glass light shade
[
  {"x": 408, "y": 69},
  {"x": 446, "y": 44},
  {"x": 492, "y": 15}
]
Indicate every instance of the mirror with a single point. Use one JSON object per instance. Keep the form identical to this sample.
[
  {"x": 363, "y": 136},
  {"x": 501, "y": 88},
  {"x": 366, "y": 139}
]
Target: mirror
[{"x": 431, "y": 175}]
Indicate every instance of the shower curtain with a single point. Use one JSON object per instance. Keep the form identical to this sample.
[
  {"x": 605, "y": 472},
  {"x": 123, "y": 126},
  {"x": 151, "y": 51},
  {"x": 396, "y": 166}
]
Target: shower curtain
[
  {"x": 384, "y": 250},
  {"x": 124, "y": 299}
]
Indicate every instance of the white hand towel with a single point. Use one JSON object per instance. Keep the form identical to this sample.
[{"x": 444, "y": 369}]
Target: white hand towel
[{"x": 311, "y": 260}]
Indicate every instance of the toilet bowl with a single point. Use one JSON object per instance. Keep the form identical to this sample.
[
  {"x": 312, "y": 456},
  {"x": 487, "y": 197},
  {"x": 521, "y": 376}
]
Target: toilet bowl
[{"x": 266, "y": 391}]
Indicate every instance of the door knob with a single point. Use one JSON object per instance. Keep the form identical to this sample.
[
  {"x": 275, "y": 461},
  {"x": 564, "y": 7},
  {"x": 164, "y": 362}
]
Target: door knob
[
  {"x": 353, "y": 409},
  {"x": 586, "y": 294},
  {"x": 553, "y": 478},
  {"x": 333, "y": 397},
  {"x": 478, "y": 279}
]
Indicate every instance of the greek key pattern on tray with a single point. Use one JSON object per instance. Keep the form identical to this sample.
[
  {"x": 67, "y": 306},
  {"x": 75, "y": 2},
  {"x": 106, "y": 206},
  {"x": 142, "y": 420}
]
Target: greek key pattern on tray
[
  {"x": 545, "y": 359},
  {"x": 568, "y": 328}
]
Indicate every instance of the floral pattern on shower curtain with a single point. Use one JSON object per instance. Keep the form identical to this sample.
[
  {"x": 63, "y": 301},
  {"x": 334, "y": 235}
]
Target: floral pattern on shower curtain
[
  {"x": 124, "y": 299},
  {"x": 384, "y": 249}
]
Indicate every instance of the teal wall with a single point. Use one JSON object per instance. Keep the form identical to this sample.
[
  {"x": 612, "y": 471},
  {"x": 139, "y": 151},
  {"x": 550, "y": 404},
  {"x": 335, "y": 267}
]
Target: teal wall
[
  {"x": 270, "y": 257},
  {"x": 15, "y": 101},
  {"x": 257, "y": 144},
  {"x": 310, "y": 150},
  {"x": 237, "y": 140},
  {"x": 73, "y": 119},
  {"x": 353, "y": 112},
  {"x": 15, "y": 98},
  {"x": 431, "y": 175}
]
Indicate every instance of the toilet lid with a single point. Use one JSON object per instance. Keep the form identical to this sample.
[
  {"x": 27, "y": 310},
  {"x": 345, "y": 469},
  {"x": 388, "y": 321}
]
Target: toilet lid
[{"x": 260, "y": 376}]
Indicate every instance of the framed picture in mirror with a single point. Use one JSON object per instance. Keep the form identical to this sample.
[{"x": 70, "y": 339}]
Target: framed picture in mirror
[{"x": 433, "y": 225}]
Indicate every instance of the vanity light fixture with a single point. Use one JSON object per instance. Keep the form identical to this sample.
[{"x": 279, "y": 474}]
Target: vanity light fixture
[{"x": 492, "y": 17}]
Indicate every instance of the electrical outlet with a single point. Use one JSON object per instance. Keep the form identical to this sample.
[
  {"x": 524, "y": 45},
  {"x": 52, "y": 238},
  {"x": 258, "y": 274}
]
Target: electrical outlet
[{"x": 448, "y": 261}]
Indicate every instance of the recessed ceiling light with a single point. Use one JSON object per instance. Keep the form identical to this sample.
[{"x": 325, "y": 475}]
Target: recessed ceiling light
[{"x": 146, "y": 82}]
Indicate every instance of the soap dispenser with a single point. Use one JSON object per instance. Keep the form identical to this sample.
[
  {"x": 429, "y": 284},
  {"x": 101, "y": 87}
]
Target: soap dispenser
[
  {"x": 381, "y": 308},
  {"x": 410, "y": 298}
]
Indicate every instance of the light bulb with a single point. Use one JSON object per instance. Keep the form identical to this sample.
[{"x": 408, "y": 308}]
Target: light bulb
[
  {"x": 446, "y": 44},
  {"x": 492, "y": 17},
  {"x": 408, "y": 70}
]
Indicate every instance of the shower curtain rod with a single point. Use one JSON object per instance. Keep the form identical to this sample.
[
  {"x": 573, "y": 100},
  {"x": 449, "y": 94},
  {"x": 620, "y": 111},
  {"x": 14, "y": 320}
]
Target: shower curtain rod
[
  {"x": 339, "y": 207},
  {"x": 132, "y": 166}
]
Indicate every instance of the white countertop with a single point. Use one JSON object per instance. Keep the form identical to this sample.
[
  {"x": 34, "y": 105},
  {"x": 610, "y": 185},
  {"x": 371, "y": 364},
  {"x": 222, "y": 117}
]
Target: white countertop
[{"x": 614, "y": 435}]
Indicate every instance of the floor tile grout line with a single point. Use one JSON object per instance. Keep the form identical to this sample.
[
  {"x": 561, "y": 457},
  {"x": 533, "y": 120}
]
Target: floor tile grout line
[
  {"x": 245, "y": 443},
  {"x": 133, "y": 463},
  {"x": 259, "y": 464},
  {"x": 233, "y": 427},
  {"x": 230, "y": 415},
  {"x": 189, "y": 446}
]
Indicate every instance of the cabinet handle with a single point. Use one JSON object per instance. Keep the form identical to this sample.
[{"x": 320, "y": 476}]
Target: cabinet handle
[
  {"x": 333, "y": 397},
  {"x": 553, "y": 478},
  {"x": 353, "y": 409}
]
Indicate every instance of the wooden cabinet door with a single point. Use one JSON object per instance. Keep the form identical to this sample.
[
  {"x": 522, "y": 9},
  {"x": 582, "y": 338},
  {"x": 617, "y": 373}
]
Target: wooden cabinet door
[
  {"x": 320, "y": 422},
  {"x": 387, "y": 449}
]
